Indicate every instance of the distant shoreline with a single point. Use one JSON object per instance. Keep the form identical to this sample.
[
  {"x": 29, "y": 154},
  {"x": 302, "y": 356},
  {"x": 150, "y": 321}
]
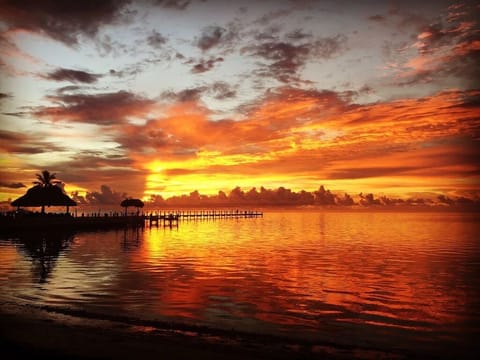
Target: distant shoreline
[{"x": 112, "y": 208}]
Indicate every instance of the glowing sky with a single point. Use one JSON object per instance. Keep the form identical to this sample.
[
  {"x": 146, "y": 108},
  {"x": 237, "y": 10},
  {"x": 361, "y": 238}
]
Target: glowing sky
[{"x": 167, "y": 97}]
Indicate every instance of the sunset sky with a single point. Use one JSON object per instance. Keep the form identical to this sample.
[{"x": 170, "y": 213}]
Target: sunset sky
[{"x": 167, "y": 97}]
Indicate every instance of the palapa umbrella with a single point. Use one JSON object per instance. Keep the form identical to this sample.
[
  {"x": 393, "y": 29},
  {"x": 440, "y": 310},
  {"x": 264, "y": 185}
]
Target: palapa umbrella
[
  {"x": 44, "y": 196},
  {"x": 131, "y": 202}
]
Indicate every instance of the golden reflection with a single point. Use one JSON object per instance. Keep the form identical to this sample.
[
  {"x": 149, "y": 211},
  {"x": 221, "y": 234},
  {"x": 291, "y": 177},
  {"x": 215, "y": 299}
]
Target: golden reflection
[
  {"x": 8, "y": 257},
  {"x": 307, "y": 266}
]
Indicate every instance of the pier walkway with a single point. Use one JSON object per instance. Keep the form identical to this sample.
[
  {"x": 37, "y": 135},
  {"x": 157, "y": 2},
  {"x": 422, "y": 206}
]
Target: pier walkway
[
  {"x": 25, "y": 221},
  {"x": 172, "y": 217}
]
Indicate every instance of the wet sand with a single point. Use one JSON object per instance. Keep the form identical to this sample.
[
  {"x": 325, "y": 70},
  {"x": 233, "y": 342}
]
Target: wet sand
[{"x": 32, "y": 332}]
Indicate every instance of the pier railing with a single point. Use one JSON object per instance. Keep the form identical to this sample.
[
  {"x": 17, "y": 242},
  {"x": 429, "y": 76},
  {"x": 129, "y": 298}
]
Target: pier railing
[
  {"x": 99, "y": 219},
  {"x": 176, "y": 215}
]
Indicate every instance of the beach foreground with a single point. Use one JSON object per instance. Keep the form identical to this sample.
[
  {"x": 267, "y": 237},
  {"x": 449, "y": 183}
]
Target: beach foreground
[{"x": 26, "y": 331}]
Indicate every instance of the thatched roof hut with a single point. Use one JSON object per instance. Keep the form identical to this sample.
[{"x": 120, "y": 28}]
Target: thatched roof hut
[
  {"x": 131, "y": 202},
  {"x": 44, "y": 196}
]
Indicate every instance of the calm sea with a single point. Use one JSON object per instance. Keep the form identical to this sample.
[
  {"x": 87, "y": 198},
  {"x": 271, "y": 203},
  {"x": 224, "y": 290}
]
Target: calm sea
[{"x": 392, "y": 281}]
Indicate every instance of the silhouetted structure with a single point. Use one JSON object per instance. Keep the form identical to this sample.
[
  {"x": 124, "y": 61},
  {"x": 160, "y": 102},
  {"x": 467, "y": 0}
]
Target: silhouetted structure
[
  {"x": 39, "y": 195},
  {"x": 44, "y": 193},
  {"x": 132, "y": 202}
]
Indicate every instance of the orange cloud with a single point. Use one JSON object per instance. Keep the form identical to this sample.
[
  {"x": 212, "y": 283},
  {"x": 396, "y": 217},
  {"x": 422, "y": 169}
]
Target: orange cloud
[
  {"x": 291, "y": 137},
  {"x": 297, "y": 136}
]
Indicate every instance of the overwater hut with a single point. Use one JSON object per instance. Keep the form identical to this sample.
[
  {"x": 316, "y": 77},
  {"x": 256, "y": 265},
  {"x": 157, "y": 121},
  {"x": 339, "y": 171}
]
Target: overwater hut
[
  {"x": 132, "y": 202},
  {"x": 46, "y": 192}
]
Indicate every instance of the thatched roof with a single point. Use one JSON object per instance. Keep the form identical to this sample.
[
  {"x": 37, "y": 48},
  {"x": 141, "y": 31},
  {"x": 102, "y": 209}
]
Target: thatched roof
[
  {"x": 44, "y": 196},
  {"x": 132, "y": 202}
]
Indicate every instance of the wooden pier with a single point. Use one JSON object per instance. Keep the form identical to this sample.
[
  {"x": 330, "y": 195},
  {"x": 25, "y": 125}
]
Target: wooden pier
[
  {"x": 13, "y": 221},
  {"x": 171, "y": 218}
]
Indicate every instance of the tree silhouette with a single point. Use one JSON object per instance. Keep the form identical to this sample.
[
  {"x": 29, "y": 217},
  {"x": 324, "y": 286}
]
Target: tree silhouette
[{"x": 45, "y": 179}]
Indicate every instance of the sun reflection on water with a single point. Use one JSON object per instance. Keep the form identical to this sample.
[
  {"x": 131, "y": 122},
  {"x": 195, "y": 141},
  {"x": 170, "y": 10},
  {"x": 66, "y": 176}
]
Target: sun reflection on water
[{"x": 309, "y": 274}]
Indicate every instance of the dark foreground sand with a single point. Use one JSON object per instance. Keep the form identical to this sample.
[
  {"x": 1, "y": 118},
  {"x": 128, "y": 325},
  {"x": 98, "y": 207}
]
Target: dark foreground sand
[
  {"x": 26, "y": 332},
  {"x": 30, "y": 332}
]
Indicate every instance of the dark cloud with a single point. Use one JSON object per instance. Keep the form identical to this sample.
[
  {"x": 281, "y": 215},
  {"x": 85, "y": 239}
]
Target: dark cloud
[
  {"x": 471, "y": 99},
  {"x": 64, "y": 21},
  {"x": 463, "y": 30},
  {"x": 99, "y": 160},
  {"x": 161, "y": 55},
  {"x": 216, "y": 36},
  {"x": 377, "y": 17},
  {"x": 218, "y": 90},
  {"x": 322, "y": 197},
  {"x": 434, "y": 35},
  {"x": 460, "y": 202},
  {"x": 131, "y": 70},
  {"x": 447, "y": 49},
  {"x": 205, "y": 65},
  {"x": 5, "y": 96},
  {"x": 17, "y": 113},
  {"x": 271, "y": 33},
  {"x": 416, "y": 203},
  {"x": 156, "y": 40},
  {"x": 237, "y": 197},
  {"x": 222, "y": 90},
  {"x": 88, "y": 170},
  {"x": 17, "y": 185},
  {"x": 173, "y": 4},
  {"x": 102, "y": 109},
  {"x": 22, "y": 143},
  {"x": 369, "y": 200},
  {"x": 152, "y": 138},
  {"x": 211, "y": 36},
  {"x": 108, "y": 46},
  {"x": 68, "y": 88},
  {"x": 285, "y": 59},
  {"x": 461, "y": 64},
  {"x": 106, "y": 196},
  {"x": 192, "y": 94},
  {"x": 366, "y": 172},
  {"x": 76, "y": 76},
  {"x": 298, "y": 35}
]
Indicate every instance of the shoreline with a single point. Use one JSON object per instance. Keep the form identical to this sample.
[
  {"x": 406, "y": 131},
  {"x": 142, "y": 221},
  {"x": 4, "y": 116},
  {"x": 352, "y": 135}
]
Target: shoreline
[{"x": 26, "y": 330}]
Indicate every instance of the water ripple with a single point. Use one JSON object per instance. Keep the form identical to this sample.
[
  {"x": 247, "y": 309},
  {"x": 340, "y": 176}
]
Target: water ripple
[{"x": 408, "y": 279}]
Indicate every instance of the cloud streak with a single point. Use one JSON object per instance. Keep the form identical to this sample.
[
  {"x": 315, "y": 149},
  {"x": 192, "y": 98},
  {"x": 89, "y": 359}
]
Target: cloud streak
[
  {"x": 102, "y": 108},
  {"x": 20, "y": 143},
  {"x": 447, "y": 48},
  {"x": 75, "y": 76}
]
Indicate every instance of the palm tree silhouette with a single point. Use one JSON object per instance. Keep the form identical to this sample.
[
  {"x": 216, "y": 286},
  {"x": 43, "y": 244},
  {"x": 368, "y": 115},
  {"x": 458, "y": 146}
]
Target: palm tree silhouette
[{"x": 45, "y": 179}]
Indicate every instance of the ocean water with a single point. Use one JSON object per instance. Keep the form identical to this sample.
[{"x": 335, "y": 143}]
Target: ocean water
[{"x": 401, "y": 282}]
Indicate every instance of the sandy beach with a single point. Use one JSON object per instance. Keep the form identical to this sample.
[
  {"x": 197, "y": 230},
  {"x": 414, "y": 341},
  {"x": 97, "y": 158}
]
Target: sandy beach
[{"x": 26, "y": 331}]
